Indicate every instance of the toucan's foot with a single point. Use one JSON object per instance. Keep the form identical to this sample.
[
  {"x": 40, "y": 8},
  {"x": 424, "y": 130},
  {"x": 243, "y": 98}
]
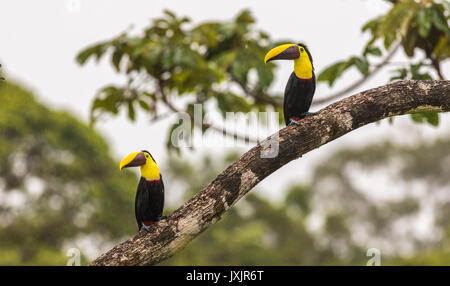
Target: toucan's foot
[
  {"x": 294, "y": 120},
  {"x": 146, "y": 227},
  {"x": 146, "y": 224}
]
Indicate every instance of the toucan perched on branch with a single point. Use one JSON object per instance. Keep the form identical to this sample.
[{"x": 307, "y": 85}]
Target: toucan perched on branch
[
  {"x": 301, "y": 86},
  {"x": 149, "y": 202}
]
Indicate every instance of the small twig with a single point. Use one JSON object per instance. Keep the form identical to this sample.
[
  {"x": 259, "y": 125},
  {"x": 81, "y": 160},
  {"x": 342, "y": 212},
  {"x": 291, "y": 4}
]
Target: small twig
[
  {"x": 157, "y": 117},
  {"x": 359, "y": 82},
  {"x": 204, "y": 124},
  {"x": 437, "y": 67},
  {"x": 235, "y": 135},
  {"x": 278, "y": 102}
]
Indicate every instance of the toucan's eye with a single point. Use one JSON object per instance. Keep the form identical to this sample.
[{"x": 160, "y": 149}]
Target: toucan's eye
[
  {"x": 301, "y": 49},
  {"x": 146, "y": 156}
]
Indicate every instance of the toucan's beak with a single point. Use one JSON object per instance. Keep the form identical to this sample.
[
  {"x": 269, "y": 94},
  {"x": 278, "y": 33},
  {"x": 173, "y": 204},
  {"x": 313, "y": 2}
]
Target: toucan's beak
[
  {"x": 133, "y": 160},
  {"x": 283, "y": 52}
]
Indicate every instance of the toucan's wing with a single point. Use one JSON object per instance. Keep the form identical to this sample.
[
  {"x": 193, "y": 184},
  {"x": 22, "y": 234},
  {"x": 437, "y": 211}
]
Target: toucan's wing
[
  {"x": 138, "y": 207},
  {"x": 162, "y": 195}
]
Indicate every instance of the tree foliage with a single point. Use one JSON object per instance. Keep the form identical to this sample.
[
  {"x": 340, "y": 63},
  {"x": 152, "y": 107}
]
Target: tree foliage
[
  {"x": 209, "y": 62},
  {"x": 418, "y": 26},
  {"x": 58, "y": 183}
]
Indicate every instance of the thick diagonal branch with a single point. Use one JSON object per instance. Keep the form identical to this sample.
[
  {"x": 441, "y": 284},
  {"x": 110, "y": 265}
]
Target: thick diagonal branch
[{"x": 172, "y": 234}]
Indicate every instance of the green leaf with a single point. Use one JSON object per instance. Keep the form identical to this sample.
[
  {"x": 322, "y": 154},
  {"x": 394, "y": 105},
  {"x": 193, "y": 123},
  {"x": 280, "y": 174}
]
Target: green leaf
[
  {"x": 117, "y": 57},
  {"x": 401, "y": 74},
  {"x": 439, "y": 20},
  {"x": 409, "y": 43},
  {"x": 432, "y": 118},
  {"x": 374, "y": 51},
  {"x": 148, "y": 94},
  {"x": 418, "y": 117},
  {"x": 107, "y": 100},
  {"x": 424, "y": 21},
  {"x": 96, "y": 50},
  {"x": 231, "y": 102},
  {"x": 372, "y": 25},
  {"x": 332, "y": 72},
  {"x": 362, "y": 65},
  {"x": 442, "y": 49},
  {"x": 144, "y": 105}
]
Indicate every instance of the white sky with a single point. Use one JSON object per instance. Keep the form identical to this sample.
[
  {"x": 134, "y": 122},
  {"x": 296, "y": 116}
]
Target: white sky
[{"x": 39, "y": 41}]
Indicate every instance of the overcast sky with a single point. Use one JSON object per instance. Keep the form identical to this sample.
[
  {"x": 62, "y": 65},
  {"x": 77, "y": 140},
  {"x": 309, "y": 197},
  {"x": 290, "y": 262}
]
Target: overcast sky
[{"x": 39, "y": 41}]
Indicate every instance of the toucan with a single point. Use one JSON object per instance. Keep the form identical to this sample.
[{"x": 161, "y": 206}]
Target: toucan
[
  {"x": 149, "y": 202},
  {"x": 301, "y": 85}
]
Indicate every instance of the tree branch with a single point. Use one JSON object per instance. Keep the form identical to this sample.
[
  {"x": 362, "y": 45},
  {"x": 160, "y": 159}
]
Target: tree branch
[{"x": 172, "y": 234}]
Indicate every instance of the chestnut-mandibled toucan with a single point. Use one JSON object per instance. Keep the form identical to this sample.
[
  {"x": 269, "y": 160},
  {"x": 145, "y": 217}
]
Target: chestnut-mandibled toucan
[
  {"x": 301, "y": 86},
  {"x": 149, "y": 202}
]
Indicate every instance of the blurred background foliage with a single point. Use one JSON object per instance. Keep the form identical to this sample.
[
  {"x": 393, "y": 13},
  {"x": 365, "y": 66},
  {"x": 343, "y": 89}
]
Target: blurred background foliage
[
  {"x": 60, "y": 186},
  {"x": 58, "y": 182}
]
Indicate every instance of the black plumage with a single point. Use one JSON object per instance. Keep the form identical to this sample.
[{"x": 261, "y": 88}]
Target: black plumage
[
  {"x": 149, "y": 202},
  {"x": 298, "y": 96}
]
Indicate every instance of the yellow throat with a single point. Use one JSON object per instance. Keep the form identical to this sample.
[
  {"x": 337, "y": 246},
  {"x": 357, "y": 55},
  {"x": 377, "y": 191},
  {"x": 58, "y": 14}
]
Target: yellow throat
[
  {"x": 150, "y": 170},
  {"x": 302, "y": 66}
]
